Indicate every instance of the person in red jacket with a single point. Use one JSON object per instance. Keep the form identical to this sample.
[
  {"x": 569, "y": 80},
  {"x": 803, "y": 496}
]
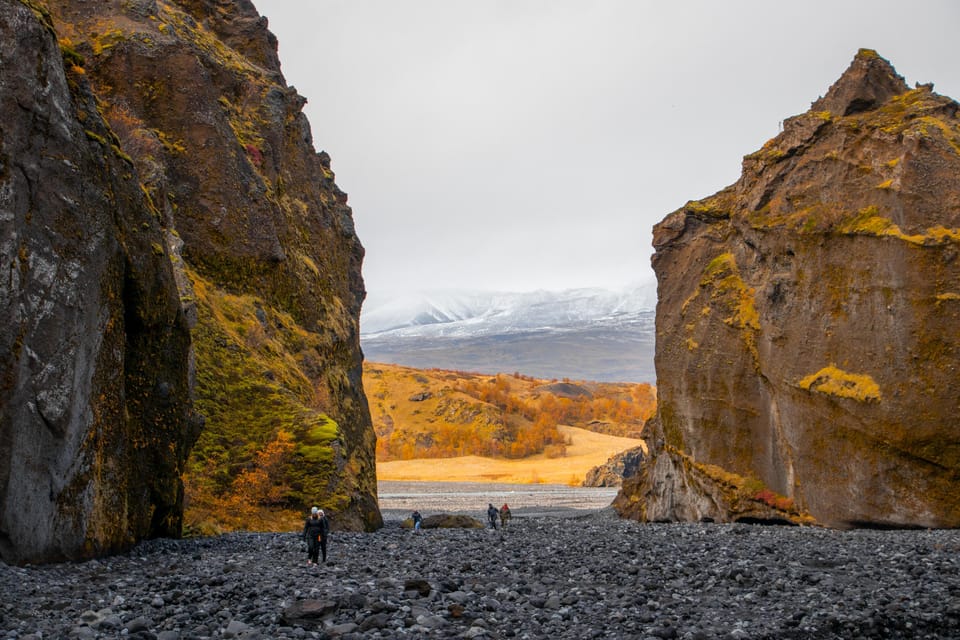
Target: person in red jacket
[{"x": 505, "y": 515}]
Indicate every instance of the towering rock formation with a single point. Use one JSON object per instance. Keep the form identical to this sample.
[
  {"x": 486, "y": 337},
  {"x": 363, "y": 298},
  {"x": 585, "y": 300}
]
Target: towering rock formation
[
  {"x": 808, "y": 352},
  {"x": 161, "y": 188},
  {"x": 95, "y": 412}
]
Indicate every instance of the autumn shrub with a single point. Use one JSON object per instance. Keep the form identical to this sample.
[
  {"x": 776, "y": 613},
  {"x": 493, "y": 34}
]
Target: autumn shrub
[
  {"x": 774, "y": 500},
  {"x": 256, "y": 499},
  {"x": 141, "y": 144}
]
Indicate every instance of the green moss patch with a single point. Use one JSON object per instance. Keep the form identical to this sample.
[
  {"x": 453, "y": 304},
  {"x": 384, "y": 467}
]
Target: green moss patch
[{"x": 251, "y": 386}]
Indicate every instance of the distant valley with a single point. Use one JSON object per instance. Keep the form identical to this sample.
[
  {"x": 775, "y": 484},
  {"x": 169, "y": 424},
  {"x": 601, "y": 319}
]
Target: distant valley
[
  {"x": 503, "y": 428},
  {"x": 582, "y": 334}
]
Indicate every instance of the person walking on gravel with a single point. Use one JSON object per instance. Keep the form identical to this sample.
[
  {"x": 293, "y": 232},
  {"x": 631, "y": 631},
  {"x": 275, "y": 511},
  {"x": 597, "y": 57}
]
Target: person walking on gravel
[
  {"x": 315, "y": 531},
  {"x": 492, "y": 514},
  {"x": 417, "y": 519},
  {"x": 505, "y": 515}
]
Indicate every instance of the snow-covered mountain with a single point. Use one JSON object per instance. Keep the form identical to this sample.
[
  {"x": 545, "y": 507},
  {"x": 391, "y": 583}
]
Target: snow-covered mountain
[
  {"x": 472, "y": 313},
  {"x": 587, "y": 334}
]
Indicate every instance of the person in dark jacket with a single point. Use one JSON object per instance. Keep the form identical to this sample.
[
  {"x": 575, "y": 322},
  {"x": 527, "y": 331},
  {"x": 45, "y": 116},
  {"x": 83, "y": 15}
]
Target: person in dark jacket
[
  {"x": 492, "y": 515},
  {"x": 315, "y": 531}
]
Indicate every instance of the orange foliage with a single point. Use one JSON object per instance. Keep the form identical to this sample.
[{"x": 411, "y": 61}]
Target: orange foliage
[
  {"x": 529, "y": 414},
  {"x": 774, "y": 500},
  {"x": 256, "y": 488}
]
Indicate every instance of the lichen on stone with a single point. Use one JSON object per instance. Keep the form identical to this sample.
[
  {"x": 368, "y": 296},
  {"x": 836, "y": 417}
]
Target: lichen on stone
[{"x": 835, "y": 382}]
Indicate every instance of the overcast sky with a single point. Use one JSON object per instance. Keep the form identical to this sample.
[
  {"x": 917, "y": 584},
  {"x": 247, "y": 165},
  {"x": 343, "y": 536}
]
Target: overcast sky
[{"x": 532, "y": 144}]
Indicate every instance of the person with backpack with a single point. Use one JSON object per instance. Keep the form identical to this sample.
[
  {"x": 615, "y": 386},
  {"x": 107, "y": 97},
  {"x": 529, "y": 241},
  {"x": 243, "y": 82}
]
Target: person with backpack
[
  {"x": 315, "y": 531},
  {"x": 416, "y": 521},
  {"x": 492, "y": 514},
  {"x": 505, "y": 515}
]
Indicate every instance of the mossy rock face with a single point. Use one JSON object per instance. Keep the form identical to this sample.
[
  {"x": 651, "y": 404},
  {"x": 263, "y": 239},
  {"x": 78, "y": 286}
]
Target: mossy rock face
[
  {"x": 806, "y": 326},
  {"x": 267, "y": 257},
  {"x": 96, "y": 418}
]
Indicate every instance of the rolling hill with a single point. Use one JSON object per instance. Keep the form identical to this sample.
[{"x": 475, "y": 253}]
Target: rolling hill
[{"x": 441, "y": 414}]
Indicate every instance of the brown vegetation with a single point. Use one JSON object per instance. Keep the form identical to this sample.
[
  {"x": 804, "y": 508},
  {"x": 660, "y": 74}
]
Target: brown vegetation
[
  {"x": 442, "y": 414},
  {"x": 256, "y": 499}
]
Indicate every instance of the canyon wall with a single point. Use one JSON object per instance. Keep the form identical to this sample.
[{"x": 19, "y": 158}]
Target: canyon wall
[
  {"x": 176, "y": 254},
  {"x": 807, "y": 345},
  {"x": 95, "y": 412}
]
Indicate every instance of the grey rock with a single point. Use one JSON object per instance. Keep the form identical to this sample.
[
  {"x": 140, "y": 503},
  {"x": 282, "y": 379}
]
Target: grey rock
[
  {"x": 375, "y": 621},
  {"x": 309, "y": 613},
  {"x": 82, "y": 253},
  {"x": 236, "y": 629},
  {"x": 139, "y": 624},
  {"x": 432, "y": 622},
  {"x": 342, "y": 629}
]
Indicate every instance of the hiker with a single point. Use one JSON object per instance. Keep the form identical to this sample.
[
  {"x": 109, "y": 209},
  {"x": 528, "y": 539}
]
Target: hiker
[
  {"x": 416, "y": 521},
  {"x": 492, "y": 514},
  {"x": 505, "y": 515},
  {"x": 315, "y": 531}
]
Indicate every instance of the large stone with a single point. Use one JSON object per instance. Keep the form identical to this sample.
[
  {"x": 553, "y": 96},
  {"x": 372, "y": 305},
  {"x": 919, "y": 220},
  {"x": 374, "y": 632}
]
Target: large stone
[
  {"x": 451, "y": 521},
  {"x": 807, "y": 345},
  {"x": 309, "y": 613},
  {"x": 616, "y": 468}
]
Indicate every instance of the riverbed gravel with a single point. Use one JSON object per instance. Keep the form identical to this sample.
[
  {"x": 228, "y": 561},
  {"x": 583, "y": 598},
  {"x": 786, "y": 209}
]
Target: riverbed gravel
[{"x": 582, "y": 575}]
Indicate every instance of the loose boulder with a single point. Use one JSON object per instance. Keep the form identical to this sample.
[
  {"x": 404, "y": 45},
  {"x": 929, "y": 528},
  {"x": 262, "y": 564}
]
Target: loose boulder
[{"x": 445, "y": 521}]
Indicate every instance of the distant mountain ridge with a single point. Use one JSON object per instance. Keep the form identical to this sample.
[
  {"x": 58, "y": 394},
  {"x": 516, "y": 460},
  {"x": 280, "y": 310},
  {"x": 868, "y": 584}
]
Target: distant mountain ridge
[
  {"x": 587, "y": 333},
  {"x": 475, "y": 312}
]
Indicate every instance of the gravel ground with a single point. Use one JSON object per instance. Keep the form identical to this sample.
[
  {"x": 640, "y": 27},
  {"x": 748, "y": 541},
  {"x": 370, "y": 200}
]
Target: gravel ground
[
  {"x": 399, "y": 499},
  {"x": 588, "y": 575}
]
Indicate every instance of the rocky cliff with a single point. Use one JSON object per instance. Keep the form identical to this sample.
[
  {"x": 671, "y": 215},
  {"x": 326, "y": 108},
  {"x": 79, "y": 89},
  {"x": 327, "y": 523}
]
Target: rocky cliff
[
  {"x": 163, "y": 190},
  {"x": 807, "y": 346},
  {"x": 95, "y": 412}
]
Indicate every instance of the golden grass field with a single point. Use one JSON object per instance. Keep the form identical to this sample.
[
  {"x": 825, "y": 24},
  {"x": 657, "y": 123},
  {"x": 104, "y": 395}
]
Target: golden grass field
[{"x": 588, "y": 450}]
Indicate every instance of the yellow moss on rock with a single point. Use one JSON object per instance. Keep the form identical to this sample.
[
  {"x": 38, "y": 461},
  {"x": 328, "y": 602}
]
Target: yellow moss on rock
[
  {"x": 835, "y": 382},
  {"x": 868, "y": 221},
  {"x": 724, "y": 276}
]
